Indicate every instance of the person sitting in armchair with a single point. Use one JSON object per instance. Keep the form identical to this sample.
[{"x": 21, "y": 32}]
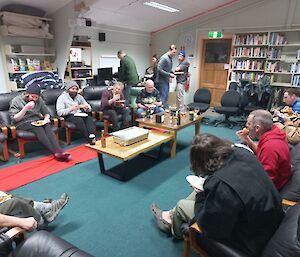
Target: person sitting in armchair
[
  {"x": 29, "y": 214},
  {"x": 148, "y": 98},
  {"x": 28, "y": 108},
  {"x": 229, "y": 208},
  {"x": 113, "y": 104},
  {"x": 73, "y": 107}
]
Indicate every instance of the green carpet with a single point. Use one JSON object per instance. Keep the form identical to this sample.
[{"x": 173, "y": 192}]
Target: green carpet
[{"x": 106, "y": 217}]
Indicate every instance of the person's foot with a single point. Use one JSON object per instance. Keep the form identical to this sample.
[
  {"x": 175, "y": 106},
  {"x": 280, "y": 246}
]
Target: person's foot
[
  {"x": 162, "y": 224},
  {"x": 62, "y": 156},
  {"x": 56, "y": 207}
]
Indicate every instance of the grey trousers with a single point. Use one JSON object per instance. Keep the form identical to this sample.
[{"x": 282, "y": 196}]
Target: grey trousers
[
  {"x": 183, "y": 212},
  {"x": 180, "y": 95},
  {"x": 20, "y": 207}
]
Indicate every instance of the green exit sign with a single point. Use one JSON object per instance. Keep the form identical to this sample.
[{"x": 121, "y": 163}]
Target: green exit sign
[{"x": 215, "y": 34}]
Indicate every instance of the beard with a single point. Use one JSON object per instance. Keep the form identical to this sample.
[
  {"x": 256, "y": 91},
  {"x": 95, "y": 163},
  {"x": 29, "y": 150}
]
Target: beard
[{"x": 73, "y": 94}]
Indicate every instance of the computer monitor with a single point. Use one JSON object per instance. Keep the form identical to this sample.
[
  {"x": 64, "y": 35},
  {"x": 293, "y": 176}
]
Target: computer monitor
[{"x": 105, "y": 74}]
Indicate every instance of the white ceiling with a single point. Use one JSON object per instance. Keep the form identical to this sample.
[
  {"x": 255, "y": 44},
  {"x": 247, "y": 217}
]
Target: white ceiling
[{"x": 133, "y": 14}]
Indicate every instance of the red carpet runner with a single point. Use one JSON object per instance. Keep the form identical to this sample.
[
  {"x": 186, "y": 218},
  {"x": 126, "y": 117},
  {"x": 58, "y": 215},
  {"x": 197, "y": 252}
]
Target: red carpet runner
[{"x": 21, "y": 174}]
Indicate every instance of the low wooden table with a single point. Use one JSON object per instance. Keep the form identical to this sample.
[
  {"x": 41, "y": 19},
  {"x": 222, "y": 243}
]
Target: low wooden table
[
  {"x": 169, "y": 125},
  {"x": 125, "y": 153}
]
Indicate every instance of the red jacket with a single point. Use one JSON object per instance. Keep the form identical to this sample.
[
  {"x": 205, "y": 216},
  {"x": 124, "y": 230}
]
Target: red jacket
[{"x": 273, "y": 153}]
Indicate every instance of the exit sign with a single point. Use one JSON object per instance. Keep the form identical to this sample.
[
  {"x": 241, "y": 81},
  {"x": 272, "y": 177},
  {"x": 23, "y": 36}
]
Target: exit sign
[{"x": 215, "y": 34}]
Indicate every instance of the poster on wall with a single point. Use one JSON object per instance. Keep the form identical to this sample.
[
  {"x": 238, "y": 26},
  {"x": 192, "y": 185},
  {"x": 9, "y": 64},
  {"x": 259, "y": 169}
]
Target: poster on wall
[{"x": 75, "y": 54}]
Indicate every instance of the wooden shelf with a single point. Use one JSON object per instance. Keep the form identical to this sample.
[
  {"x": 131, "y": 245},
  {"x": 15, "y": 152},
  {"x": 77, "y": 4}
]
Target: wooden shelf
[
  {"x": 82, "y": 68},
  {"x": 28, "y": 54}
]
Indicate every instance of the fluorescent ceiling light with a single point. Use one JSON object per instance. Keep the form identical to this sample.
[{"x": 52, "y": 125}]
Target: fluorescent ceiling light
[{"x": 161, "y": 6}]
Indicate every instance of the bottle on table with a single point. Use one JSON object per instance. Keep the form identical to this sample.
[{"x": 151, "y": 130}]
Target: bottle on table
[{"x": 103, "y": 139}]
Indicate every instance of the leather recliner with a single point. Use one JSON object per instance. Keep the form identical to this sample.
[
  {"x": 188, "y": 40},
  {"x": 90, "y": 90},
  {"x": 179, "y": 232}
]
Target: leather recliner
[{"x": 44, "y": 244}]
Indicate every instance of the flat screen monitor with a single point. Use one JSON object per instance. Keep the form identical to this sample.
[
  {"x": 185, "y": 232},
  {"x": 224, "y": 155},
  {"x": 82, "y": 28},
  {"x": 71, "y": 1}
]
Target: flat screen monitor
[{"x": 105, "y": 74}]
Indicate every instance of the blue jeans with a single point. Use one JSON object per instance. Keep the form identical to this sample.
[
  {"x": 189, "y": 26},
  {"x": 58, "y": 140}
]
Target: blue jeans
[
  {"x": 163, "y": 89},
  {"x": 157, "y": 109}
]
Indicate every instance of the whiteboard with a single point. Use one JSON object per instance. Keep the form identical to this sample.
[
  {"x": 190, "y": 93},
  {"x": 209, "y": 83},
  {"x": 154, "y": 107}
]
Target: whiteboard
[{"x": 107, "y": 61}]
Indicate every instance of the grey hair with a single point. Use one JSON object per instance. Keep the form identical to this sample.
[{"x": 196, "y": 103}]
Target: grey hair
[{"x": 262, "y": 118}]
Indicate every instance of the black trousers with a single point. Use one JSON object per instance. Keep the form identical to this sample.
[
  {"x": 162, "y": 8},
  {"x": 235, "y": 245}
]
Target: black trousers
[
  {"x": 113, "y": 117},
  {"x": 84, "y": 124},
  {"x": 44, "y": 134}
]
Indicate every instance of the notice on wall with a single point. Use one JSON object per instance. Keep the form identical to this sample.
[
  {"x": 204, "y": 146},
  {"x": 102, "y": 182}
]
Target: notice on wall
[{"x": 107, "y": 61}]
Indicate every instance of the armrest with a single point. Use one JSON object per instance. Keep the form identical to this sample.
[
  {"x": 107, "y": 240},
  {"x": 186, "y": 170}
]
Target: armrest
[
  {"x": 61, "y": 122},
  {"x": 288, "y": 202},
  {"x": 55, "y": 122},
  {"x": 16, "y": 233},
  {"x": 13, "y": 131},
  {"x": 4, "y": 130}
]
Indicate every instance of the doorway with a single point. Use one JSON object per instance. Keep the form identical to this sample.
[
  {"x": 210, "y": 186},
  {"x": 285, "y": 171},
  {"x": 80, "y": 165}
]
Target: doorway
[{"x": 213, "y": 76}]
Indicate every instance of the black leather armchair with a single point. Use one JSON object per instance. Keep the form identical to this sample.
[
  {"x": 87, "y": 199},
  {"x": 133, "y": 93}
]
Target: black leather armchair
[{"x": 42, "y": 244}]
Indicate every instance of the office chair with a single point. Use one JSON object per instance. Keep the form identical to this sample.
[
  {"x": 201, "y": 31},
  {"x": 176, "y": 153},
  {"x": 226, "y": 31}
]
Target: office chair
[
  {"x": 229, "y": 106},
  {"x": 202, "y": 98}
]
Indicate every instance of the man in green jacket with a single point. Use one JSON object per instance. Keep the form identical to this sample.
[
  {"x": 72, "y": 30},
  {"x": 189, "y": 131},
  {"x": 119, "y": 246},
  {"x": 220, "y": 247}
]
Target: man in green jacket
[{"x": 127, "y": 73}]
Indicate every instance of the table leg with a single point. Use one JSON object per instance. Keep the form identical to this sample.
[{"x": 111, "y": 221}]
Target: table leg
[
  {"x": 197, "y": 128},
  {"x": 101, "y": 163},
  {"x": 173, "y": 146}
]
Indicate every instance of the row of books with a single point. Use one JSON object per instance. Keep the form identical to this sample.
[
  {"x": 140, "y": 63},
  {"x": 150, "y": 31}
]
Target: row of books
[
  {"x": 248, "y": 65},
  {"x": 274, "y": 53},
  {"x": 253, "y": 76},
  {"x": 296, "y": 80},
  {"x": 278, "y": 39},
  {"x": 250, "y": 52},
  {"x": 251, "y": 39},
  {"x": 295, "y": 67}
]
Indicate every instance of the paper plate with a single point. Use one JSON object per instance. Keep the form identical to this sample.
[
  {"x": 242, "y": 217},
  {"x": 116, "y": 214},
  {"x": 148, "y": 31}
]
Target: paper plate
[
  {"x": 38, "y": 123},
  {"x": 196, "y": 181},
  {"x": 80, "y": 114},
  {"x": 243, "y": 146}
]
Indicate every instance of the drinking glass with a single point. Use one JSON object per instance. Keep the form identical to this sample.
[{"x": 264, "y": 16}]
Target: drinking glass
[
  {"x": 143, "y": 115},
  {"x": 196, "y": 111}
]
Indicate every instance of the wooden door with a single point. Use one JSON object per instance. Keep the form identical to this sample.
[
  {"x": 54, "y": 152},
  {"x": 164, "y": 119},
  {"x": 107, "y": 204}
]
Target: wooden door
[{"x": 215, "y": 53}]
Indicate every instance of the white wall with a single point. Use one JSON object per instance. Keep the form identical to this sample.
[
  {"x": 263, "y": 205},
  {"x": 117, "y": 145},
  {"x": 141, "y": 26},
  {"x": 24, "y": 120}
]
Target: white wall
[
  {"x": 251, "y": 15},
  {"x": 135, "y": 44}
]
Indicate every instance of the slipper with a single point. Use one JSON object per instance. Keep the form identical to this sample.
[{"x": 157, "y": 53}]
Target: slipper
[{"x": 162, "y": 224}]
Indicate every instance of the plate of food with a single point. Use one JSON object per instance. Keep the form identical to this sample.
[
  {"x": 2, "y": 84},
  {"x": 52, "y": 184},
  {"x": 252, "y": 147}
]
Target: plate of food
[
  {"x": 38, "y": 123},
  {"x": 119, "y": 102},
  {"x": 80, "y": 114},
  {"x": 195, "y": 181},
  {"x": 178, "y": 72}
]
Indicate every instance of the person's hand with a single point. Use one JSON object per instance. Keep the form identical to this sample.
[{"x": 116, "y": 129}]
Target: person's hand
[
  {"x": 276, "y": 112},
  {"x": 157, "y": 103},
  {"x": 29, "y": 106},
  {"x": 28, "y": 224},
  {"x": 75, "y": 107},
  {"x": 177, "y": 69},
  {"x": 172, "y": 75},
  {"x": 47, "y": 119},
  {"x": 243, "y": 135},
  {"x": 116, "y": 97}
]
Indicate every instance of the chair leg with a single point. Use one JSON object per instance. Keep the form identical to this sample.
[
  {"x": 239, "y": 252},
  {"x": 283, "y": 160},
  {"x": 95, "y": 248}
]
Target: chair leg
[
  {"x": 186, "y": 247},
  {"x": 68, "y": 136},
  {"x": 21, "y": 144},
  {"x": 5, "y": 150}
]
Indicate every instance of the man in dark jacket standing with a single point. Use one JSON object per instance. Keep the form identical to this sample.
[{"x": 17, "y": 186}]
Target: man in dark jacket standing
[
  {"x": 127, "y": 74},
  {"x": 164, "y": 74}
]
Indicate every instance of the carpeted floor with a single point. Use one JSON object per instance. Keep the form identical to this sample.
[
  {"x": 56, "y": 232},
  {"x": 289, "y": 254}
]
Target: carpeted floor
[{"x": 107, "y": 217}]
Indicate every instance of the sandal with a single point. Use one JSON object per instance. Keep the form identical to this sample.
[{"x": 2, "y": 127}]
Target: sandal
[{"x": 162, "y": 224}]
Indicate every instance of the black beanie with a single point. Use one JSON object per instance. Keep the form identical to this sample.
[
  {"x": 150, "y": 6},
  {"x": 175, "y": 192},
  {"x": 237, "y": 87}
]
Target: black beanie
[{"x": 34, "y": 88}]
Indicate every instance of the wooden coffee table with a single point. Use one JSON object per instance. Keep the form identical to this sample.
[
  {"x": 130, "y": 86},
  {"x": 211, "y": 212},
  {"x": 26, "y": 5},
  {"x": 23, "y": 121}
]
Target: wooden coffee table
[
  {"x": 125, "y": 153},
  {"x": 169, "y": 125}
]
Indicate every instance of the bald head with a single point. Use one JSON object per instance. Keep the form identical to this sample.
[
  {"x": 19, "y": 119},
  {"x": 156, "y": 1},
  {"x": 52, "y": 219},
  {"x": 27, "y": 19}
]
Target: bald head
[
  {"x": 121, "y": 54},
  {"x": 149, "y": 87}
]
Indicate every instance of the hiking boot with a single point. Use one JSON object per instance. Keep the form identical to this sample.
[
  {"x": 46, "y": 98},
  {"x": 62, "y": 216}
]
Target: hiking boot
[{"x": 56, "y": 207}]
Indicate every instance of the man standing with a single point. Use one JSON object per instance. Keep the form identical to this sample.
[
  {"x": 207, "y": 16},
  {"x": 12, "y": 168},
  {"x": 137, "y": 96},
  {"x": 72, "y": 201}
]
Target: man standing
[
  {"x": 272, "y": 149},
  {"x": 73, "y": 107},
  {"x": 127, "y": 74},
  {"x": 181, "y": 79},
  {"x": 147, "y": 97},
  {"x": 164, "y": 73}
]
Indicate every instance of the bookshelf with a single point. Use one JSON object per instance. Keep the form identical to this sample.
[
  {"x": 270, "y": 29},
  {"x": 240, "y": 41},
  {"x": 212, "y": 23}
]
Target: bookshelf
[{"x": 272, "y": 53}]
